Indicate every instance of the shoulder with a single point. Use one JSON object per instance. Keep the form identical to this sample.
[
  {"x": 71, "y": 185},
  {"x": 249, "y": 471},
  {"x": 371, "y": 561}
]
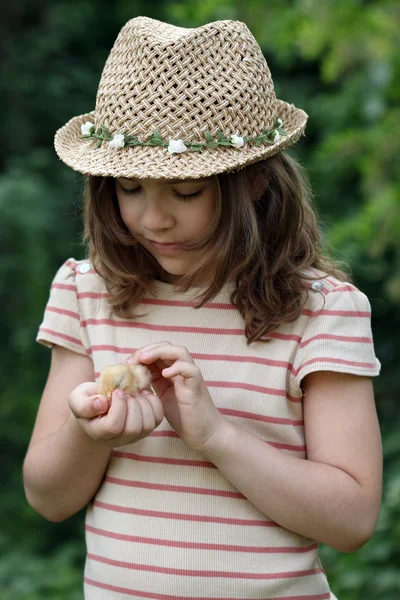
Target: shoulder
[
  {"x": 334, "y": 330},
  {"x": 76, "y": 274},
  {"x": 329, "y": 296}
]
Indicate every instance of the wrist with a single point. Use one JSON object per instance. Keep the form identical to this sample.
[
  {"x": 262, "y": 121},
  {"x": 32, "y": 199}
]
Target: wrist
[
  {"x": 221, "y": 442},
  {"x": 75, "y": 429}
]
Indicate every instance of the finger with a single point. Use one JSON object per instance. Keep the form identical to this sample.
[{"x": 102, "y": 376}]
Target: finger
[
  {"x": 156, "y": 406},
  {"x": 89, "y": 388},
  {"x": 166, "y": 353},
  {"x": 134, "y": 416},
  {"x": 183, "y": 368},
  {"x": 134, "y": 358},
  {"x": 158, "y": 383},
  {"x": 148, "y": 418},
  {"x": 112, "y": 424}
]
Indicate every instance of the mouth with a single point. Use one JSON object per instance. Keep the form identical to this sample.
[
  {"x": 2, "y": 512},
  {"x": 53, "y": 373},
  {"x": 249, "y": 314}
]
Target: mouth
[{"x": 166, "y": 247}]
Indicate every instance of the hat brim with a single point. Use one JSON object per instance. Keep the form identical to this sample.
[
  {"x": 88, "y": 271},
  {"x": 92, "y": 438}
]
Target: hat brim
[{"x": 83, "y": 155}]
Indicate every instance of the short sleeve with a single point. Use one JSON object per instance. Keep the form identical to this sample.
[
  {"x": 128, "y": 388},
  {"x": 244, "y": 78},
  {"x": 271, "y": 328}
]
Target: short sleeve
[
  {"x": 61, "y": 323},
  {"x": 338, "y": 335}
]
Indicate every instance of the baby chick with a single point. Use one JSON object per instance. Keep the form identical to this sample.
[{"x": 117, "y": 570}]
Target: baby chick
[{"x": 129, "y": 378}]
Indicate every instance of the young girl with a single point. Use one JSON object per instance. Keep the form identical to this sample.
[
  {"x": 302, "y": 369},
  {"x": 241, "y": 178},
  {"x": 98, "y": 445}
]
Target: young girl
[{"x": 259, "y": 436}]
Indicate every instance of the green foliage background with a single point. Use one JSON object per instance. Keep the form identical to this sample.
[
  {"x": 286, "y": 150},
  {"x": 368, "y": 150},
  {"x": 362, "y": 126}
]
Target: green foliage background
[{"x": 337, "y": 59}]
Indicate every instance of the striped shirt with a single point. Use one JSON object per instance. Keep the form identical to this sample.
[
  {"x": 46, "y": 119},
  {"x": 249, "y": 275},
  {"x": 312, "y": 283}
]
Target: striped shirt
[{"x": 165, "y": 523}]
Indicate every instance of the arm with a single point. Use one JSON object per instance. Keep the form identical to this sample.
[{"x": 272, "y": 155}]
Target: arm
[
  {"x": 72, "y": 439},
  {"x": 63, "y": 466},
  {"x": 334, "y": 496}
]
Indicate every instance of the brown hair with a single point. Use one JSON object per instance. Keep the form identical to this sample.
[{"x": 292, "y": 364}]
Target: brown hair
[{"x": 267, "y": 238}]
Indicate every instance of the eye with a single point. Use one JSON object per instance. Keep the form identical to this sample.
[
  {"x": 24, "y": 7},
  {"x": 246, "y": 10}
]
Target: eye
[
  {"x": 188, "y": 197},
  {"x": 131, "y": 191}
]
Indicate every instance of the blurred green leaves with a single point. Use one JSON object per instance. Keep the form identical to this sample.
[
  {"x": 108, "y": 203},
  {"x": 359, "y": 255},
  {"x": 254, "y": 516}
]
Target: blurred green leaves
[{"x": 339, "y": 60}]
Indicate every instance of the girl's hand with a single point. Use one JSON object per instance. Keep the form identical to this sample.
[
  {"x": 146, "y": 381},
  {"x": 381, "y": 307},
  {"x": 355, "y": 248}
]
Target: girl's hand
[
  {"x": 186, "y": 401},
  {"x": 129, "y": 419}
]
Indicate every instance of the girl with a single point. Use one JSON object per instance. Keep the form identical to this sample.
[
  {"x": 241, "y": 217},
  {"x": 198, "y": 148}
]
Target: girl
[{"x": 259, "y": 437}]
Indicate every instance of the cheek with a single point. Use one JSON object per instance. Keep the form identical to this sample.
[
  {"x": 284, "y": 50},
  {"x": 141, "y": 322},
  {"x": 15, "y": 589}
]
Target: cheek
[
  {"x": 203, "y": 215},
  {"x": 128, "y": 213}
]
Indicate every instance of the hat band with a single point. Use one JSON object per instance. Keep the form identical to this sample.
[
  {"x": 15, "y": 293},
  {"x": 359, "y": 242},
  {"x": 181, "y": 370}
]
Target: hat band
[{"x": 120, "y": 140}]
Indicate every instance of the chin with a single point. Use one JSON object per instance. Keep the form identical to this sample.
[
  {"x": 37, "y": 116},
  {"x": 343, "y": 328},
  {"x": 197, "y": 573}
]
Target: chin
[{"x": 174, "y": 270}]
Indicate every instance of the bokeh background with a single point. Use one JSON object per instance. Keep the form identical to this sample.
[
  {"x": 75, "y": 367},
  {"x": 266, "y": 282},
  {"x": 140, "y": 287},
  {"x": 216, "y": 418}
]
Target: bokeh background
[{"x": 337, "y": 59}]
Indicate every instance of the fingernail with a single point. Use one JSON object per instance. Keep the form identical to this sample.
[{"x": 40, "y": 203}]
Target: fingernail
[
  {"x": 97, "y": 404},
  {"x": 120, "y": 394}
]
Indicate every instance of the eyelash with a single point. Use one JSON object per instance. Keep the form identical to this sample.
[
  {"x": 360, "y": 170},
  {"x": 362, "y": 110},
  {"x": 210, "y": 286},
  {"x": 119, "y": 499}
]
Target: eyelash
[{"x": 183, "y": 197}]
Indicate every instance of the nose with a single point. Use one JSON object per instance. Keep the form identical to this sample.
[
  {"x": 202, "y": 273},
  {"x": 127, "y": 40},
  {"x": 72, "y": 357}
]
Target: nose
[{"x": 155, "y": 215}]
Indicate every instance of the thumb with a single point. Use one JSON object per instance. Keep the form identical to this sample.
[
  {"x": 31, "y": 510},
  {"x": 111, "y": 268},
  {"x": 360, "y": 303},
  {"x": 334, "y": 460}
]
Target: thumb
[
  {"x": 100, "y": 404},
  {"x": 87, "y": 407}
]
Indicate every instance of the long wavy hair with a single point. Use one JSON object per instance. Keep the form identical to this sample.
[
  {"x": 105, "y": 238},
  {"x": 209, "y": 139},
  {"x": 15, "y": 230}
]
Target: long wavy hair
[{"x": 264, "y": 239}]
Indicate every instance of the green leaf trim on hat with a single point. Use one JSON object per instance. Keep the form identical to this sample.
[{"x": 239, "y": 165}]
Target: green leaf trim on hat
[{"x": 119, "y": 140}]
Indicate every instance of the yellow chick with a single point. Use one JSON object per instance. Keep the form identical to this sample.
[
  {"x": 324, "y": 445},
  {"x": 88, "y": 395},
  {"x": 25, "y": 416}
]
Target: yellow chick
[{"x": 129, "y": 378}]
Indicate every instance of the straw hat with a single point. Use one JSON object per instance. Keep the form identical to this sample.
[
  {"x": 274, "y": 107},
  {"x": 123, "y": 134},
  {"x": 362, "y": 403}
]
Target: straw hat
[{"x": 180, "y": 103}]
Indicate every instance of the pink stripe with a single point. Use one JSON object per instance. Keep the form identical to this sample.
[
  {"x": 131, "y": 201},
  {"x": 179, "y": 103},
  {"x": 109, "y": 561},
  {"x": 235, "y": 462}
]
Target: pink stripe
[
  {"x": 201, "y": 356},
  {"x": 339, "y": 338},
  {"x": 148, "y": 326},
  {"x": 195, "y": 573},
  {"x": 263, "y": 418},
  {"x": 336, "y": 313},
  {"x": 178, "y": 328},
  {"x": 164, "y": 433},
  {"x": 243, "y": 359},
  {"x": 173, "y": 434},
  {"x": 287, "y": 446},
  {"x": 235, "y": 385},
  {"x": 80, "y": 295},
  {"x": 252, "y": 388},
  {"x": 63, "y": 311},
  {"x": 174, "y": 488},
  {"x": 161, "y": 460},
  {"x": 337, "y": 361},
  {"x": 94, "y": 295},
  {"x": 61, "y": 336},
  {"x": 64, "y": 286},
  {"x": 246, "y": 415},
  {"x": 201, "y": 546},
  {"x": 345, "y": 288},
  {"x": 154, "y": 596},
  {"x": 72, "y": 264},
  {"x": 182, "y": 303},
  {"x": 184, "y": 517}
]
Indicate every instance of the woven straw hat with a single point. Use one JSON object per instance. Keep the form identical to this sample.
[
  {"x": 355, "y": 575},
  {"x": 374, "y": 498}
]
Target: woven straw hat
[{"x": 180, "y": 103}]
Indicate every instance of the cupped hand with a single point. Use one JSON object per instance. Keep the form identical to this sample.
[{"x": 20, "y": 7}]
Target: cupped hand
[
  {"x": 186, "y": 401},
  {"x": 127, "y": 420}
]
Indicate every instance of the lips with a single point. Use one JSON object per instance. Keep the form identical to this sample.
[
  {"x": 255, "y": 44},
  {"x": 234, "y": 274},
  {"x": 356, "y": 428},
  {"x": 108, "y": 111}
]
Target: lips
[
  {"x": 164, "y": 243},
  {"x": 165, "y": 247}
]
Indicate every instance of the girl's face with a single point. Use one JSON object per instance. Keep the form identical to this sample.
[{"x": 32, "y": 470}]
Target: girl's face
[{"x": 167, "y": 215}]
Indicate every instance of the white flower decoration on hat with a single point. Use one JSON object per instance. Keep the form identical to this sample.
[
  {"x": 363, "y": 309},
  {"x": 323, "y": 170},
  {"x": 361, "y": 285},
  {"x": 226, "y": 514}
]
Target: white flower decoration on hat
[
  {"x": 118, "y": 141},
  {"x": 87, "y": 128},
  {"x": 176, "y": 146},
  {"x": 279, "y": 122},
  {"x": 237, "y": 141},
  {"x": 277, "y": 136}
]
